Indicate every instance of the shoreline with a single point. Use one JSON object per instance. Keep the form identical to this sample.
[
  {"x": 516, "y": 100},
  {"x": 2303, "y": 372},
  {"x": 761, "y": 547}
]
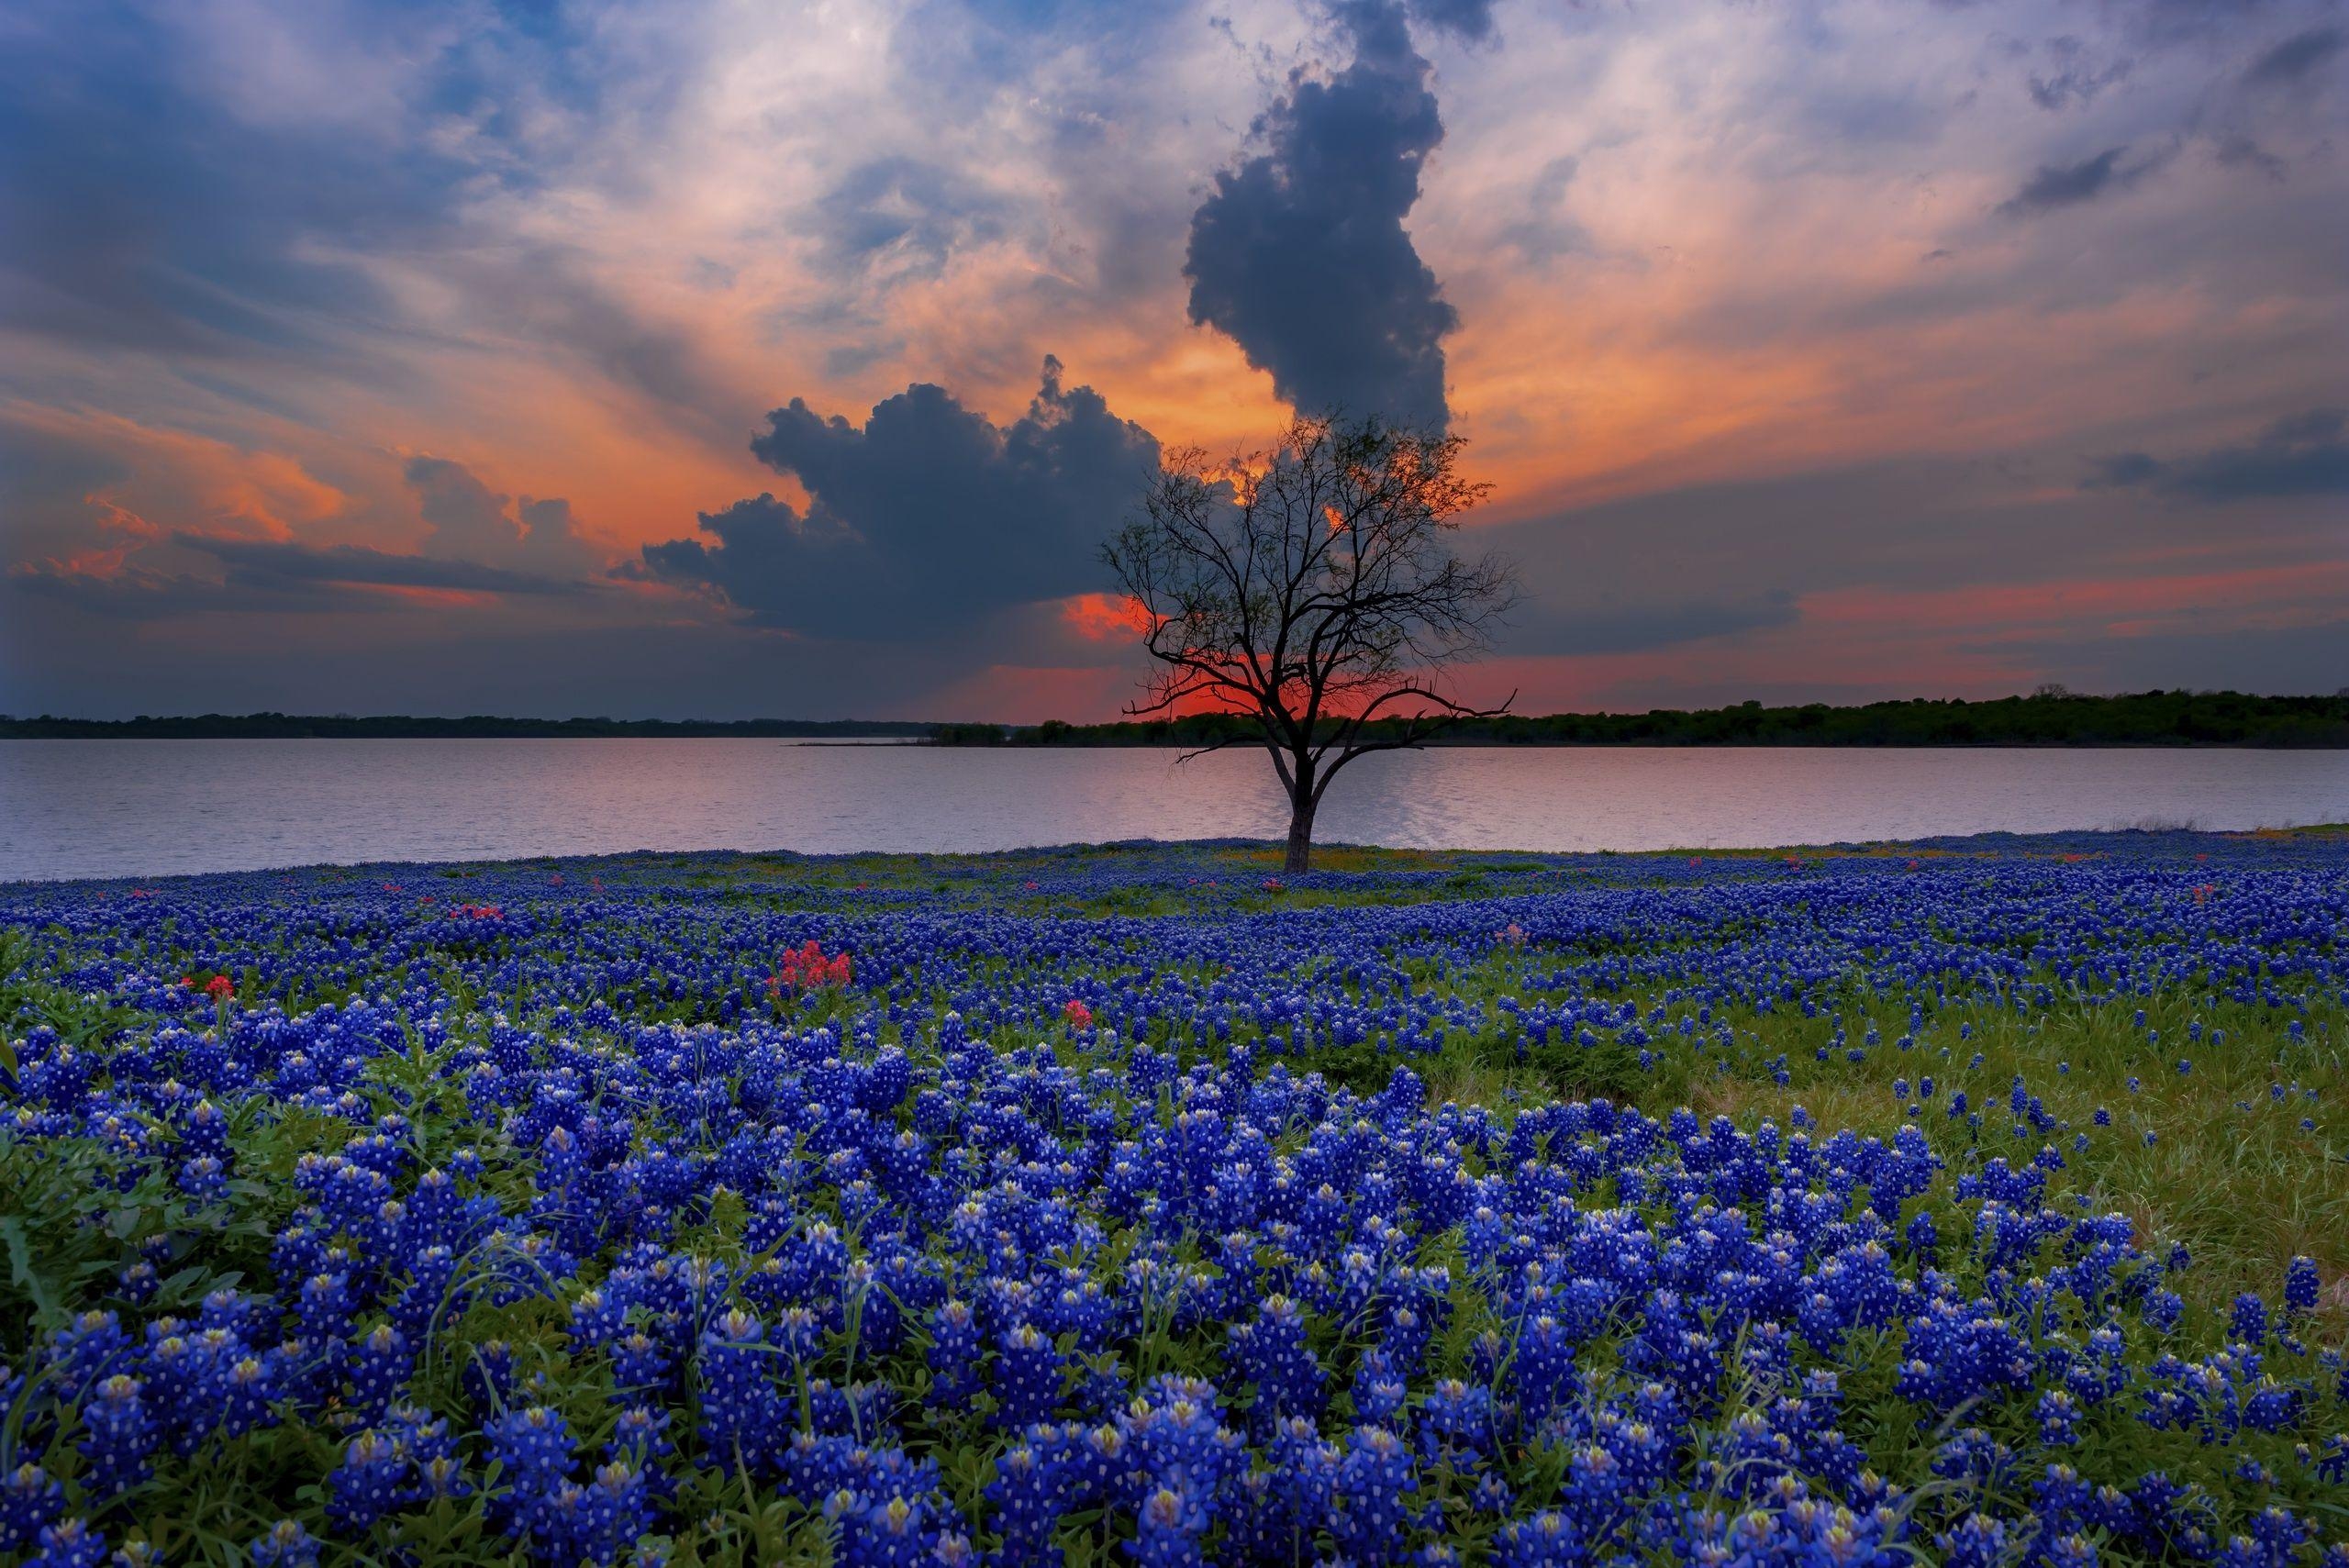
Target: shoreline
[{"x": 1339, "y": 861}]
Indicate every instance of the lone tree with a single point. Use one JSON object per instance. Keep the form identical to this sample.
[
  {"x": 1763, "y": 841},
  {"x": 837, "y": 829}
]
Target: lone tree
[{"x": 1315, "y": 592}]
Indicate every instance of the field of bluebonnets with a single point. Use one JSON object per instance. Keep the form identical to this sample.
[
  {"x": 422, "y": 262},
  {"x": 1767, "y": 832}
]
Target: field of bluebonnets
[{"x": 1982, "y": 1201}]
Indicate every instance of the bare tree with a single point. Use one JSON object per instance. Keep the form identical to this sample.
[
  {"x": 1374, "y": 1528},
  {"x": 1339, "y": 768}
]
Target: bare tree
[{"x": 1314, "y": 592}]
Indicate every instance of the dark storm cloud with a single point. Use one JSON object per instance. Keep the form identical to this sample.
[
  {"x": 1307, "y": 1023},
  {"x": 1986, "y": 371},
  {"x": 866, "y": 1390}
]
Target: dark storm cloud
[
  {"x": 2296, "y": 58},
  {"x": 2070, "y": 185},
  {"x": 1301, "y": 256},
  {"x": 926, "y": 517},
  {"x": 2301, "y": 455}
]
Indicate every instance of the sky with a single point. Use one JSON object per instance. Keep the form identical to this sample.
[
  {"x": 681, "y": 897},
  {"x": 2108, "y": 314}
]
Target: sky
[{"x": 730, "y": 358}]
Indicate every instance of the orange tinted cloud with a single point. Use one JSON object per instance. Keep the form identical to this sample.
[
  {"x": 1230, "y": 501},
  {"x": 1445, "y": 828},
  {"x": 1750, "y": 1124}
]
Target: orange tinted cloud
[
  {"x": 1104, "y": 618},
  {"x": 173, "y": 478},
  {"x": 2121, "y": 606}
]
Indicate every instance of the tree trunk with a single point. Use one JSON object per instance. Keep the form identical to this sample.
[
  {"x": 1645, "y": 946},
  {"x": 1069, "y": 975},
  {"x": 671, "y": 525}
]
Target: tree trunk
[{"x": 1300, "y": 824}]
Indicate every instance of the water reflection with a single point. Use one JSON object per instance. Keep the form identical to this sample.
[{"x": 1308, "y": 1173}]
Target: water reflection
[{"x": 145, "y": 807}]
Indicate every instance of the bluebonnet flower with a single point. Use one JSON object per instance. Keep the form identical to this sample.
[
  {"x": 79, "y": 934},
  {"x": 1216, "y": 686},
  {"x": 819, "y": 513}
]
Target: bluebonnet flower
[
  {"x": 29, "y": 1500},
  {"x": 1372, "y": 1481},
  {"x": 954, "y": 1354},
  {"x": 2301, "y": 1286},
  {"x": 1271, "y": 1352},
  {"x": 2058, "y": 1419},
  {"x": 531, "y": 1448},
  {"x": 738, "y": 1415},
  {"x": 592, "y": 1522},
  {"x": 285, "y": 1545},
  {"x": 369, "y": 1483},
  {"x": 1028, "y": 1377},
  {"x": 69, "y": 1543},
  {"x": 121, "y": 1435}
]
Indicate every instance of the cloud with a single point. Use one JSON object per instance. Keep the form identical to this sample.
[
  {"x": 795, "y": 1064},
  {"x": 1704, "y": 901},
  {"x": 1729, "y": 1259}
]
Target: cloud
[
  {"x": 2121, "y": 470},
  {"x": 470, "y": 521},
  {"x": 72, "y": 477},
  {"x": 2070, "y": 185},
  {"x": 2234, "y": 150},
  {"x": 2293, "y": 660},
  {"x": 291, "y": 207},
  {"x": 547, "y": 300},
  {"x": 1104, "y": 618},
  {"x": 1300, "y": 255},
  {"x": 902, "y": 217},
  {"x": 925, "y": 520},
  {"x": 274, "y": 564},
  {"x": 274, "y": 577},
  {"x": 173, "y": 500},
  {"x": 1607, "y": 626},
  {"x": 129, "y": 593},
  {"x": 148, "y": 207},
  {"x": 2301, "y": 454},
  {"x": 2076, "y": 79},
  {"x": 2295, "y": 58},
  {"x": 1544, "y": 232},
  {"x": 1471, "y": 20},
  {"x": 265, "y": 577}
]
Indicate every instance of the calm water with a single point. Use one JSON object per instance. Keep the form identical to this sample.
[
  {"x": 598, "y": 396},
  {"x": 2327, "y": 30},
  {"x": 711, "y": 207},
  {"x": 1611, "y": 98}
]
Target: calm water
[{"x": 146, "y": 807}]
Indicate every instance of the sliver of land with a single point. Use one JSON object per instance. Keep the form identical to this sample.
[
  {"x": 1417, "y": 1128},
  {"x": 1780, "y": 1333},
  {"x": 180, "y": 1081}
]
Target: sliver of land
[{"x": 1967, "y": 1199}]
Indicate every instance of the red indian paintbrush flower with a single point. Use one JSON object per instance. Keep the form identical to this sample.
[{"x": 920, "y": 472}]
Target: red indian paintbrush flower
[{"x": 807, "y": 968}]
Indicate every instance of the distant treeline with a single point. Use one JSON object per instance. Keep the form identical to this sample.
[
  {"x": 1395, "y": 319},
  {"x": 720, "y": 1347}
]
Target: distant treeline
[
  {"x": 2048, "y": 718},
  {"x": 403, "y": 726},
  {"x": 2045, "y": 718}
]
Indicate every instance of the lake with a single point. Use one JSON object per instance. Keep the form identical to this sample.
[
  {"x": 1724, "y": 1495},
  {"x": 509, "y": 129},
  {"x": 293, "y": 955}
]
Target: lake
[{"x": 150, "y": 807}]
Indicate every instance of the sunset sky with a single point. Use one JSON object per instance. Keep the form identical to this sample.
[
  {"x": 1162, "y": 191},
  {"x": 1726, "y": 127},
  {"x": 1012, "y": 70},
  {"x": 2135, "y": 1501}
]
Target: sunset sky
[{"x": 718, "y": 358}]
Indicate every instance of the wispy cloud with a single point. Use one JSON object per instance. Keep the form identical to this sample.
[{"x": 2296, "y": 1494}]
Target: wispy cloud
[
  {"x": 2056, "y": 185},
  {"x": 2301, "y": 455}
]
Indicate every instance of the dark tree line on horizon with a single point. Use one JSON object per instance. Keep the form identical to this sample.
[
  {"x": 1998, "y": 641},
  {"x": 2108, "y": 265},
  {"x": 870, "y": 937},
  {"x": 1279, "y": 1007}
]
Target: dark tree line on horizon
[
  {"x": 473, "y": 727},
  {"x": 2142, "y": 718},
  {"x": 2053, "y": 718}
]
